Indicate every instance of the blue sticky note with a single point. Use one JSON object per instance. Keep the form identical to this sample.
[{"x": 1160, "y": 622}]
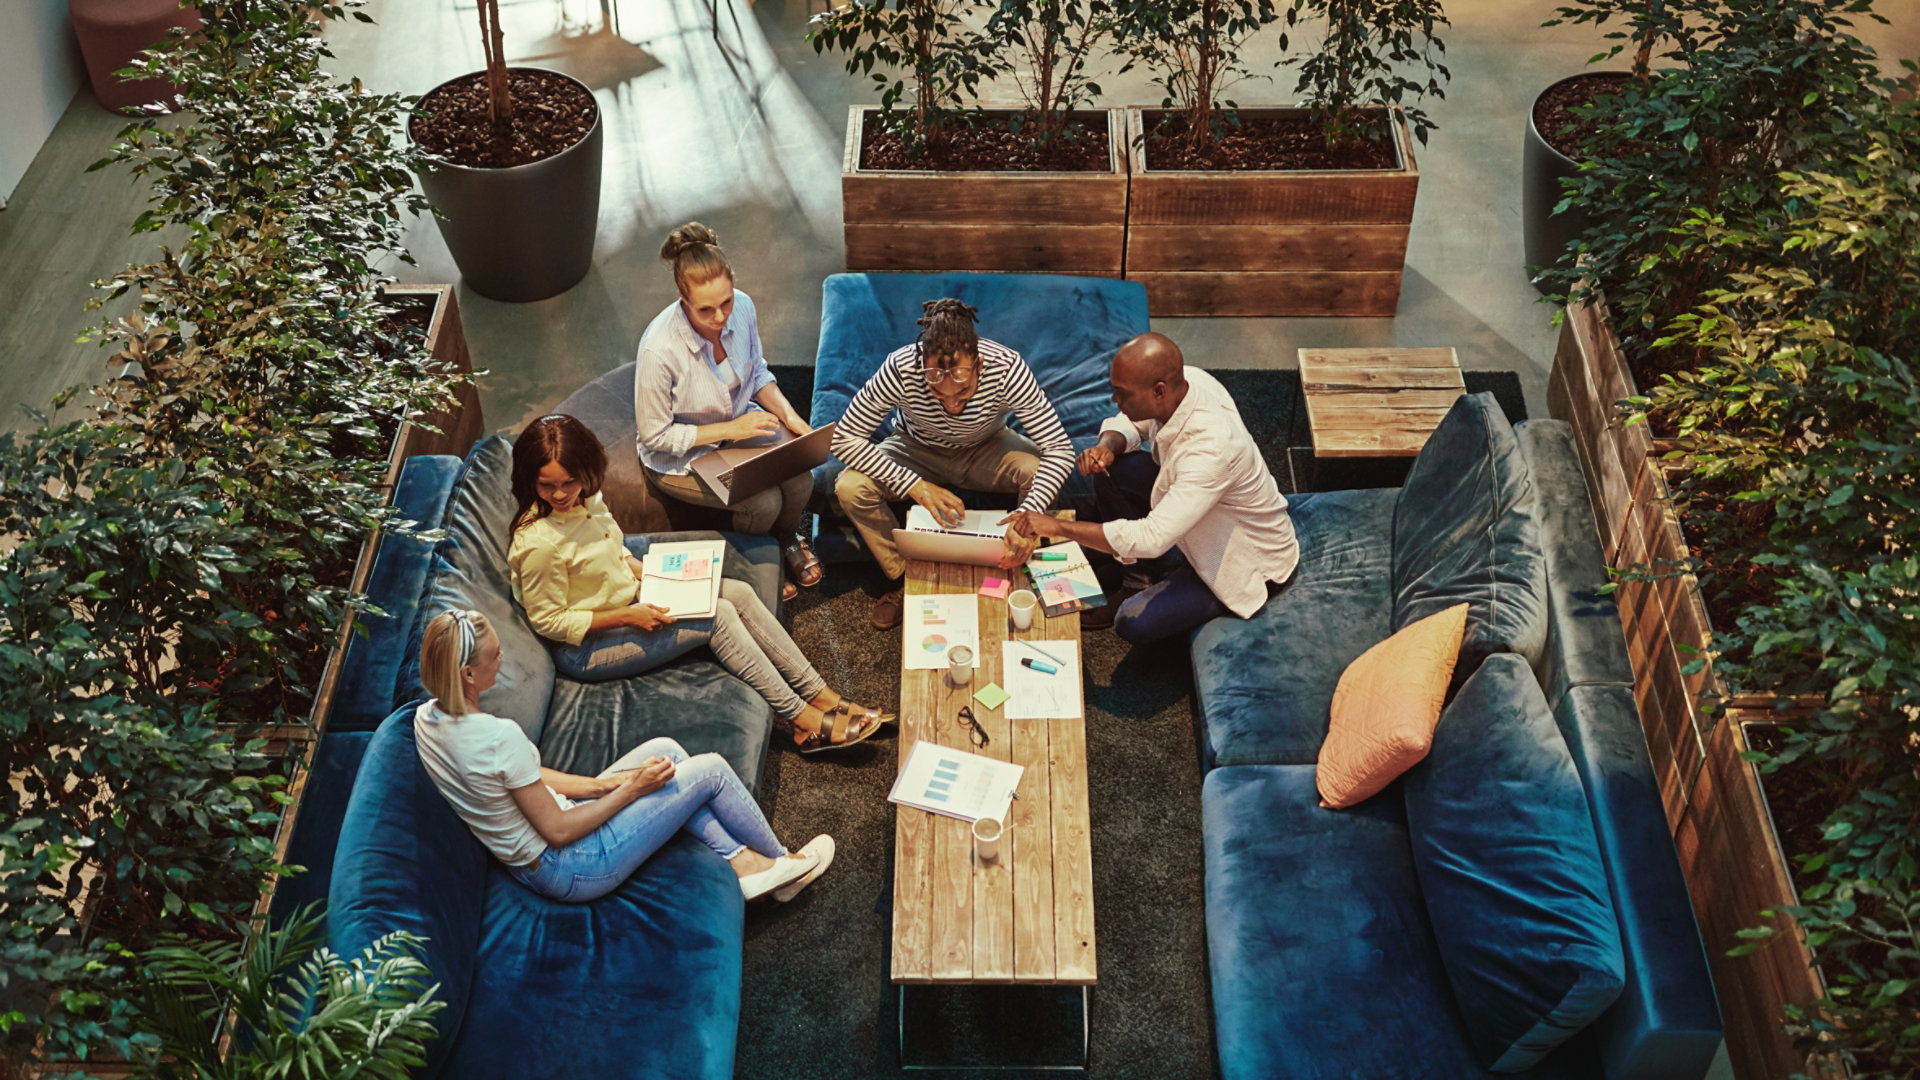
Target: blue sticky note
[{"x": 674, "y": 563}]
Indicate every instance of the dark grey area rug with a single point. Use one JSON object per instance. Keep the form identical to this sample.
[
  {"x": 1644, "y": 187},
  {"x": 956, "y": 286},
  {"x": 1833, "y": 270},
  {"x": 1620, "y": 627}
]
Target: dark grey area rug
[{"x": 816, "y": 998}]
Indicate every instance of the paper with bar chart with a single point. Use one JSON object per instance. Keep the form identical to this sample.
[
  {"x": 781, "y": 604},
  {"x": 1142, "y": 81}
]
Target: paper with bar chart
[{"x": 955, "y": 783}]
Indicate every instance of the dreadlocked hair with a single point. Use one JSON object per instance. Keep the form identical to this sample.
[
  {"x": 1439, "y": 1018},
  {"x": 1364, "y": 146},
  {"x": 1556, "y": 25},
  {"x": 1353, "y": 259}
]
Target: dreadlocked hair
[
  {"x": 694, "y": 252},
  {"x": 946, "y": 332}
]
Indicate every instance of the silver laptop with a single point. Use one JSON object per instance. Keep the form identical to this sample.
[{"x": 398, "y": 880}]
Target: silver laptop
[
  {"x": 738, "y": 471},
  {"x": 979, "y": 539}
]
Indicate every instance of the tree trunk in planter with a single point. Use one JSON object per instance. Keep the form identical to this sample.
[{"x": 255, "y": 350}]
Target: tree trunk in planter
[
  {"x": 1721, "y": 827},
  {"x": 1269, "y": 242},
  {"x": 1033, "y": 222}
]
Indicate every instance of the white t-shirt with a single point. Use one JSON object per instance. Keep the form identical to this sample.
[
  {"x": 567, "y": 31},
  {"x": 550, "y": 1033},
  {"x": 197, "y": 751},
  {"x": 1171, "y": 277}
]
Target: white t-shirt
[{"x": 476, "y": 761}]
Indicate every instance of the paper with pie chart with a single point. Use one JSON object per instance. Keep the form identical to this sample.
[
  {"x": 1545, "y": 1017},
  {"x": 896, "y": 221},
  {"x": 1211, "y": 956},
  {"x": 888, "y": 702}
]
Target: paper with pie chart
[{"x": 936, "y": 623}]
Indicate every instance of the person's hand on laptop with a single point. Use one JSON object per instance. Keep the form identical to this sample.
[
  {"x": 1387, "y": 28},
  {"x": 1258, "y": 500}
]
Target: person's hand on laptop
[
  {"x": 1033, "y": 525},
  {"x": 752, "y": 424},
  {"x": 944, "y": 505},
  {"x": 648, "y": 617},
  {"x": 796, "y": 425}
]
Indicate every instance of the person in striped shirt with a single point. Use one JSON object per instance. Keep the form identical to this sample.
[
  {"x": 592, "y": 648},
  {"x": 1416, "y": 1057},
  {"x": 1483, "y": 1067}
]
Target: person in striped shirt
[{"x": 954, "y": 391}]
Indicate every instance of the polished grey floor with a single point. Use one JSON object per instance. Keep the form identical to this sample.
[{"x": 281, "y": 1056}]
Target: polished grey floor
[{"x": 745, "y": 134}]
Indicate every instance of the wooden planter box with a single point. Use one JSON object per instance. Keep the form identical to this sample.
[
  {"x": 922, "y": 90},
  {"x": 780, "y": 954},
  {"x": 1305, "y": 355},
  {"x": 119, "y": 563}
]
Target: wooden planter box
[
  {"x": 1721, "y": 827},
  {"x": 1053, "y": 222},
  {"x": 1322, "y": 242}
]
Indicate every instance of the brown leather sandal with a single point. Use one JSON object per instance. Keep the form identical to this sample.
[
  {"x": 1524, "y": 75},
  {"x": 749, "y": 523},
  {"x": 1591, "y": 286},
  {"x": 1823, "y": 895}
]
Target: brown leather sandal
[
  {"x": 803, "y": 566},
  {"x": 840, "y": 722}
]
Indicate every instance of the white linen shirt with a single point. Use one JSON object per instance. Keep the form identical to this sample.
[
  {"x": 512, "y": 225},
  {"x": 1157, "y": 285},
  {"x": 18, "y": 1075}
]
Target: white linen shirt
[
  {"x": 477, "y": 760},
  {"x": 677, "y": 386},
  {"x": 1214, "y": 498}
]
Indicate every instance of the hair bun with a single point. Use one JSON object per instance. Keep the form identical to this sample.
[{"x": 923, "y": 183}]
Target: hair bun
[{"x": 691, "y": 234}]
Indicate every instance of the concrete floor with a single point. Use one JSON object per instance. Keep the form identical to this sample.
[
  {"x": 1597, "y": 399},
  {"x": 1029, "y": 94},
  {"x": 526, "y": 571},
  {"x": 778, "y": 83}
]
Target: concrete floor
[{"x": 746, "y": 135}]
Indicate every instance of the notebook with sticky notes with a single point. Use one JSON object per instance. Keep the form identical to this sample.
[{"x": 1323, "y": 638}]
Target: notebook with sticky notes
[
  {"x": 683, "y": 578},
  {"x": 1065, "y": 584}
]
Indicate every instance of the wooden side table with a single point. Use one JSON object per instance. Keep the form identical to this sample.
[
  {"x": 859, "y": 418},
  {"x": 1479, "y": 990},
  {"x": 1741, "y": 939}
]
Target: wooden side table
[
  {"x": 1025, "y": 919},
  {"x": 1376, "y": 403}
]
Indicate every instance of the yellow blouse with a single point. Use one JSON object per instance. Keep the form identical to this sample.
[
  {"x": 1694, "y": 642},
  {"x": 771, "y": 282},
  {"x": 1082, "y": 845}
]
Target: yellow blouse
[{"x": 568, "y": 565}]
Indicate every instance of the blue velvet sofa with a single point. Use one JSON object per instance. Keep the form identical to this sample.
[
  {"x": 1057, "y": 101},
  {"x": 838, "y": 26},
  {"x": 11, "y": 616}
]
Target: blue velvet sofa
[
  {"x": 642, "y": 983},
  {"x": 1067, "y": 328},
  {"x": 1327, "y": 951}
]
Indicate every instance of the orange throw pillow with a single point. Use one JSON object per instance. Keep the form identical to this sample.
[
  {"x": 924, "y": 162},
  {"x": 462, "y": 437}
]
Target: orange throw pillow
[{"x": 1386, "y": 707}]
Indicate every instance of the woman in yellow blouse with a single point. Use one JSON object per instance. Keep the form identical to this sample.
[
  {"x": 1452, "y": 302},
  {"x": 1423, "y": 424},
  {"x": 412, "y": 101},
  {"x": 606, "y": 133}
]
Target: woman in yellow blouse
[{"x": 580, "y": 587}]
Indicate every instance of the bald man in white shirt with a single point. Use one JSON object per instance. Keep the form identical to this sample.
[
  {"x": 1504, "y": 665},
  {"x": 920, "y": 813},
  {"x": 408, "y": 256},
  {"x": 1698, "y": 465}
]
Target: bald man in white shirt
[{"x": 1178, "y": 469}]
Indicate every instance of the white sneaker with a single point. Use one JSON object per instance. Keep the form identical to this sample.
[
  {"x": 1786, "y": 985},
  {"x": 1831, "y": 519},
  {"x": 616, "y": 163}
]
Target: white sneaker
[
  {"x": 783, "y": 871},
  {"x": 820, "y": 846}
]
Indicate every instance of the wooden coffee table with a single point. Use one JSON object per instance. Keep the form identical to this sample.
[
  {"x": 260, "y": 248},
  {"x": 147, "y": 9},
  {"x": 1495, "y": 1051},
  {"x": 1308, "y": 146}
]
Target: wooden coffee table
[
  {"x": 1027, "y": 917},
  {"x": 1377, "y": 403}
]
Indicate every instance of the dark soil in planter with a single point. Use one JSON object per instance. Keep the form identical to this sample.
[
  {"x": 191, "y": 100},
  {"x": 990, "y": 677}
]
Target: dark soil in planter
[
  {"x": 1265, "y": 143},
  {"x": 1553, "y": 115},
  {"x": 989, "y": 145},
  {"x": 550, "y": 113}
]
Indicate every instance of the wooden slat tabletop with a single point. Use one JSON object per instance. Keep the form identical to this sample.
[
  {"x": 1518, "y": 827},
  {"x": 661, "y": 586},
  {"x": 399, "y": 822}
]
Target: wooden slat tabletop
[
  {"x": 1374, "y": 402},
  {"x": 1026, "y": 917}
]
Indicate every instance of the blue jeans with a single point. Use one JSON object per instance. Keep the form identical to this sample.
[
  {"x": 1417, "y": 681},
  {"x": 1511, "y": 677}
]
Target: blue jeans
[{"x": 703, "y": 797}]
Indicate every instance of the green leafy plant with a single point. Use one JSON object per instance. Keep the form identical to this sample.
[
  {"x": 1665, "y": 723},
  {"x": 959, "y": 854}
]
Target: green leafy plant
[
  {"x": 932, "y": 56},
  {"x": 301, "y": 1010},
  {"x": 1757, "y": 87},
  {"x": 1194, "y": 49},
  {"x": 1355, "y": 70},
  {"x": 1054, "y": 40},
  {"x": 178, "y": 561},
  {"x": 1807, "y": 405}
]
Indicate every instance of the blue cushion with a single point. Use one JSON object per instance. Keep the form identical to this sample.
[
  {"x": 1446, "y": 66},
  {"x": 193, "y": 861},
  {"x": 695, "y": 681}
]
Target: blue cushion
[
  {"x": 1666, "y": 1023},
  {"x": 1464, "y": 529},
  {"x": 1585, "y": 646},
  {"x": 1067, "y": 328},
  {"x": 316, "y": 829},
  {"x": 1510, "y": 868},
  {"x": 407, "y": 862},
  {"x": 1322, "y": 961},
  {"x": 371, "y": 669},
  {"x": 642, "y": 983},
  {"x": 692, "y": 700},
  {"x": 470, "y": 571},
  {"x": 1264, "y": 685}
]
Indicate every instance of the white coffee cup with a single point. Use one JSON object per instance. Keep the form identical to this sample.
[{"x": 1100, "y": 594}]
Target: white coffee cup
[
  {"x": 1020, "y": 605},
  {"x": 986, "y": 838},
  {"x": 959, "y": 665}
]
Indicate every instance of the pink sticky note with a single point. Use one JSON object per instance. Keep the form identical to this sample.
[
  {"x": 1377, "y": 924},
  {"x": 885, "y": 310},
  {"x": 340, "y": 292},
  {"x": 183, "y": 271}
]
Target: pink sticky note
[{"x": 994, "y": 587}]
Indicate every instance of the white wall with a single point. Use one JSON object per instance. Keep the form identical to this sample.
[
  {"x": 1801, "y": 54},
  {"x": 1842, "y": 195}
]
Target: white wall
[{"x": 40, "y": 69}]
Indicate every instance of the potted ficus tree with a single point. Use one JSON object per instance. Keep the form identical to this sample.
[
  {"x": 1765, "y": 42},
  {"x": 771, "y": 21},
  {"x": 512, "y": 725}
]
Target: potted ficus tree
[
  {"x": 1277, "y": 211},
  {"x": 512, "y": 169},
  {"x": 933, "y": 182}
]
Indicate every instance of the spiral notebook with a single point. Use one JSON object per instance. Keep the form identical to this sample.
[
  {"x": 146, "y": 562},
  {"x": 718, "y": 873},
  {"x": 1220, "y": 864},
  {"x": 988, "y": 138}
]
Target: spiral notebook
[{"x": 1066, "y": 585}]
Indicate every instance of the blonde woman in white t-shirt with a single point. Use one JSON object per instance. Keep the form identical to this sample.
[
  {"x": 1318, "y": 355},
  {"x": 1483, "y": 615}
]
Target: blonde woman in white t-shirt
[{"x": 576, "y": 838}]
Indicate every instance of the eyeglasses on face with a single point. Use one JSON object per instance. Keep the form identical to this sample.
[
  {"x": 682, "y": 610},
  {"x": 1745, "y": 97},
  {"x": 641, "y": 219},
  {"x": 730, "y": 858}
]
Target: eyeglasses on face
[
  {"x": 975, "y": 733},
  {"x": 958, "y": 376}
]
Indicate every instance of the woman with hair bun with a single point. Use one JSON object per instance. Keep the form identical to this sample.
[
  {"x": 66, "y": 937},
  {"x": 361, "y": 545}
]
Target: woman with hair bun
[
  {"x": 702, "y": 380},
  {"x": 576, "y": 838},
  {"x": 954, "y": 390},
  {"x": 580, "y": 587}
]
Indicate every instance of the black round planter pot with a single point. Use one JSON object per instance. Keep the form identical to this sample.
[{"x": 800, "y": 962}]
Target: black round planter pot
[
  {"x": 526, "y": 232},
  {"x": 1548, "y": 235}
]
